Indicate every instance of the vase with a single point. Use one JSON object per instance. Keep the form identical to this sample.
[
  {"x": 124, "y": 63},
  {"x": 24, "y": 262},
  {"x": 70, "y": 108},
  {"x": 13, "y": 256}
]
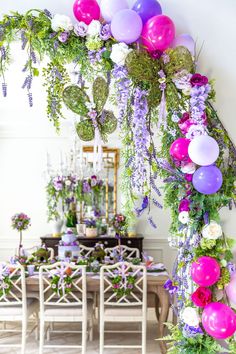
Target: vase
[
  {"x": 56, "y": 227},
  {"x": 91, "y": 232}
]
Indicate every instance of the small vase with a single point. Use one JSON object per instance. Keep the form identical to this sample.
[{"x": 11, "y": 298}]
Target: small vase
[
  {"x": 56, "y": 227},
  {"x": 91, "y": 232}
]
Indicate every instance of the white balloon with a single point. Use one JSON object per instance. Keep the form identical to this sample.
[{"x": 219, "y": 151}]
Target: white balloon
[
  {"x": 203, "y": 150},
  {"x": 110, "y": 7}
]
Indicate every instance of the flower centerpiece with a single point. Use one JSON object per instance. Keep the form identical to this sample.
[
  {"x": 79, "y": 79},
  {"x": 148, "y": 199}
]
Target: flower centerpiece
[
  {"x": 20, "y": 222},
  {"x": 119, "y": 224},
  {"x": 91, "y": 227}
]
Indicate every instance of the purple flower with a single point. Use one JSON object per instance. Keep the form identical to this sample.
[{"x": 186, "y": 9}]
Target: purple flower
[
  {"x": 198, "y": 80},
  {"x": 172, "y": 289},
  {"x": 105, "y": 32},
  {"x": 58, "y": 183},
  {"x": 184, "y": 205},
  {"x": 156, "y": 54},
  {"x": 145, "y": 204},
  {"x": 189, "y": 331},
  {"x": 86, "y": 187},
  {"x": 63, "y": 37},
  {"x": 81, "y": 29}
]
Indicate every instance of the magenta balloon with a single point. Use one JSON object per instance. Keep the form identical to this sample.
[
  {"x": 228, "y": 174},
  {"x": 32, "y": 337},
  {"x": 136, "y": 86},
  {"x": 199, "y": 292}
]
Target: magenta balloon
[
  {"x": 203, "y": 150},
  {"x": 205, "y": 271},
  {"x": 231, "y": 289},
  {"x": 186, "y": 41},
  {"x": 147, "y": 9},
  {"x": 126, "y": 26},
  {"x": 86, "y": 10},
  {"x": 219, "y": 320},
  {"x": 158, "y": 33},
  {"x": 179, "y": 149},
  {"x": 207, "y": 179},
  {"x": 110, "y": 7}
]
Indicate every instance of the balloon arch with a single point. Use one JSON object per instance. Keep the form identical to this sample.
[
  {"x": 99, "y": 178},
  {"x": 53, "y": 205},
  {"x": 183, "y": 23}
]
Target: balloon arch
[{"x": 133, "y": 58}]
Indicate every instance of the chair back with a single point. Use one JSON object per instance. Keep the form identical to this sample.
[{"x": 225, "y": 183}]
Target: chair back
[
  {"x": 123, "y": 284},
  {"x": 62, "y": 284},
  {"x": 122, "y": 250},
  {"x": 85, "y": 251},
  {"x": 12, "y": 285}
]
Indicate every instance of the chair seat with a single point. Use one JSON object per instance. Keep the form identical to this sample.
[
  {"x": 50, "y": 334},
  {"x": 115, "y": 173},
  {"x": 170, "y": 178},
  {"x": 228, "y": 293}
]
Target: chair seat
[
  {"x": 67, "y": 313},
  {"x": 123, "y": 314},
  {"x": 10, "y": 312}
]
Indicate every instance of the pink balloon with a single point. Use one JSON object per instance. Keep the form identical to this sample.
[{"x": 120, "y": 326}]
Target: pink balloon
[
  {"x": 231, "y": 289},
  {"x": 219, "y": 320},
  {"x": 179, "y": 149},
  {"x": 186, "y": 41},
  {"x": 86, "y": 10},
  {"x": 158, "y": 33},
  {"x": 205, "y": 271}
]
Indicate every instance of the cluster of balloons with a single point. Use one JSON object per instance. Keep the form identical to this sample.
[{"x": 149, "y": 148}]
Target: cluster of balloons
[
  {"x": 218, "y": 319},
  {"x": 203, "y": 150},
  {"x": 144, "y": 22}
]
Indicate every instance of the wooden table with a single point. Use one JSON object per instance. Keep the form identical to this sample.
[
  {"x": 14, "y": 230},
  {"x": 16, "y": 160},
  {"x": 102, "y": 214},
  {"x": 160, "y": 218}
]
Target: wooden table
[{"x": 154, "y": 286}]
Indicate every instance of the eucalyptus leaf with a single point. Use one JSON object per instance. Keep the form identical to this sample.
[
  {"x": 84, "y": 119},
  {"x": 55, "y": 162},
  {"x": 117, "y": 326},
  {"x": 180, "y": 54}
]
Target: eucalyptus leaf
[
  {"x": 85, "y": 130},
  {"x": 108, "y": 122},
  {"x": 100, "y": 93},
  {"x": 75, "y": 99}
]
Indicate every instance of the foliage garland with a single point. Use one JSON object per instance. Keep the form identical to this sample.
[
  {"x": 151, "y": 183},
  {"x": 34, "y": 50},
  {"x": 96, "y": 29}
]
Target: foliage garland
[{"x": 150, "y": 92}]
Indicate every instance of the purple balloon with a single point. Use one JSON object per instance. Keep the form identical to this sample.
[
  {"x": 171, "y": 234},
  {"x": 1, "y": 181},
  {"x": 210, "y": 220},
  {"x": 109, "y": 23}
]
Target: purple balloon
[
  {"x": 186, "y": 41},
  {"x": 147, "y": 9},
  {"x": 207, "y": 179},
  {"x": 126, "y": 26}
]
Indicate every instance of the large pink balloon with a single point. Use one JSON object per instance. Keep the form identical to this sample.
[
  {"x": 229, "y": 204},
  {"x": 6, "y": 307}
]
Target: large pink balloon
[
  {"x": 203, "y": 150},
  {"x": 126, "y": 26},
  {"x": 179, "y": 149},
  {"x": 158, "y": 33},
  {"x": 110, "y": 7},
  {"x": 219, "y": 320},
  {"x": 186, "y": 41},
  {"x": 231, "y": 289},
  {"x": 86, "y": 10},
  {"x": 205, "y": 271}
]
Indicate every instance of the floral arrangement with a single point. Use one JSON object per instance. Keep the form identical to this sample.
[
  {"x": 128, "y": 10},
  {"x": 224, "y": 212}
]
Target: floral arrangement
[
  {"x": 90, "y": 223},
  {"x": 122, "y": 282},
  {"x": 5, "y": 281},
  {"x": 90, "y": 190},
  {"x": 157, "y": 87},
  {"x": 61, "y": 280},
  {"x": 20, "y": 222},
  {"x": 119, "y": 224}
]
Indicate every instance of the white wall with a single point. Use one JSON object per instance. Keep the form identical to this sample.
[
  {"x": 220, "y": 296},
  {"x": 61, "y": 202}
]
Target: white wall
[{"x": 26, "y": 135}]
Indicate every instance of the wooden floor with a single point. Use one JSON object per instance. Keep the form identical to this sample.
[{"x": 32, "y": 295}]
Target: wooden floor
[{"x": 93, "y": 347}]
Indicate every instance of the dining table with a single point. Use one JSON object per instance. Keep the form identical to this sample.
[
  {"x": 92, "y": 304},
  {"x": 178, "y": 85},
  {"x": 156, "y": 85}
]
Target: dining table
[{"x": 155, "y": 286}]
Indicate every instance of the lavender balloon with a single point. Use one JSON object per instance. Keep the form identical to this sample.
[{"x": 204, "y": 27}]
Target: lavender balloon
[
  {"x": 207, "y": 179},
  {"x": 110, "y": 7},
  {"x": 186, "y": 41},
  {"x": 203, "y": 150},
  {"x": 126, "y": 26},
  {"x": 147, "y": 9}
]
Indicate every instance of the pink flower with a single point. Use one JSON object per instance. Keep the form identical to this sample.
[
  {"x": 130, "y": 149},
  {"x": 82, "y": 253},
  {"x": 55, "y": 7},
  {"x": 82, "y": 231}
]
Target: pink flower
[
  {"x": 202, "y": 297},
  {"x": 188, "y": 177},
  {"x": 185, "y": 123},
  {"x": 198, "y": 80},
  {"x": 184, "y": 205}
]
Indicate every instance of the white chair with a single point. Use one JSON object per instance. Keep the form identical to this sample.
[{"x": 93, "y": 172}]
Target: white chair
[
  {"x": 14, "y": 305},
  {"x": 129, "y": 307},
  {"x": 123, "y": 250},
  {"x": 85, "y": 251},
  {"x": 57, "y": 305}
]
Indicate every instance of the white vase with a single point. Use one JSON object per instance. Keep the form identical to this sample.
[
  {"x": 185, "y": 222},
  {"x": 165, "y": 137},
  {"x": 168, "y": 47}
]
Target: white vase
[
  {"x": 91, "y": 232},
  {"x": 56, "y": 227}
]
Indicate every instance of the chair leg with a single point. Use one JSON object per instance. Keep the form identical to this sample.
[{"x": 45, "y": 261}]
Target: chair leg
[
  {"x": 84, "y": 337},
  {"x": 144, "y": 335},
  {"x": 24, "y": 333},
  {"x": 41, "y": 336},
  {"x": 101, "y": 337},
  {"x": 37, "y": 327},
  {"x": 91, "y": 330}
]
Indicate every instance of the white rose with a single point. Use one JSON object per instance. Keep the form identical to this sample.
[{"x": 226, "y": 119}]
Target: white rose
[
  {"x": 184, "y": 217},
  {"x": 190, "y": 317},
  {"x": 212, "y": 231},
  {"x": 119, "y": 53},
  {"x": 94, "y": 28},
  {"x": 61, "y": 22},
  {"x": 190, "y": 168},
  {"x": 68, "y": 182}
]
